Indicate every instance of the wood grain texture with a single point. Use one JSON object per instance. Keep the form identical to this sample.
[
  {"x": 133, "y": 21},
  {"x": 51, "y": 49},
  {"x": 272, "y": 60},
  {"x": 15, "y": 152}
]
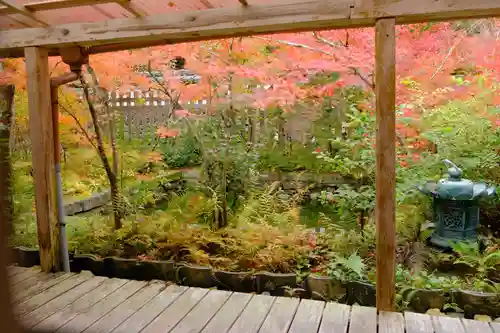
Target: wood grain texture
[
  {"x": 335, "y": 318},
  {"x": 281, "y": 315},
  {"x": 261, "y": 18},
  {"x": 391, "y": 322},
  {"x": 444, "y": 324},
  {"x": 496, "y": 327},
  {"x": 176, "y": 311},
  {"x": 61, "y": 301},
  {"x": 151, "y": 310},
  {"x": 363, "y": 320},
  {"x": 100, "y": 309},
  {"x": 201, "y": 314},
  {"x": 418, "y": 323},
  {"x": 42, "y": 141},
  {"x": 253, "y": 315},
  {"x": 46, "y": 296},
  {"x": 54, "y": 4},
  {"x": 29, "y": 273},
  {"x": 227, "y": 315},
  {"x": 476, "y": 326},
  {"x": 123, "y": 311},
  {"x": 61, "y": 317},
  {"x": 308, "y": 316},
  {"x": 20, "y": 9},
  {"x": 44, "y": 283},
  {"x": 385, "y": 210}
]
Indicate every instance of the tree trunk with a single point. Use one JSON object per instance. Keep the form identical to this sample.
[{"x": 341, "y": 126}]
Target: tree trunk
[{"x": 113, "y": 181}]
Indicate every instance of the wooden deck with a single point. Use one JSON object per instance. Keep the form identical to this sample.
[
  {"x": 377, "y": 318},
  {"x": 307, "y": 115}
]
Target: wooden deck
[{"x": 73, "y": 303}]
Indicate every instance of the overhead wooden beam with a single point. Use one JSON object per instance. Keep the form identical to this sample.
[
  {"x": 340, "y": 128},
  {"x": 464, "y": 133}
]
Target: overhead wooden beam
[
  {"x": 55, "y": 4},
  {"x": 20, "y": 9},
  {"x": 132, "y": 8},
  {"x": 42, "y": 140},
  {"x": 385, "y": 210},
  {"x": 215, "y": 23}
]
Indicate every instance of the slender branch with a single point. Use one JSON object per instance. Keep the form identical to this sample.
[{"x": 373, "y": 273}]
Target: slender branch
[
  {"x": 82, "y": 129},
  {"x": 356, "y": 72},
  {"x": 323, "y": 40},
  {"x": 303, "y": 46},
  {"x": 452, "y": 48}
]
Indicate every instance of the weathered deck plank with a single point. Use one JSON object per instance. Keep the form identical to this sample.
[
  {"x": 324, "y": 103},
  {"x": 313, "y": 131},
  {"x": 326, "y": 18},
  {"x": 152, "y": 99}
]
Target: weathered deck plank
[
  {"x": 253, "y": 315},
  {"x": 20, "y": 296},
  {"x": 444, "y": 324},
  {"x": 60, "y": 318},
  {"x": 390, "y": 322},
  {"x": 174, "y": 313},
  {"x": 76, "y": 303},
  {"x": 150, "y": 311},
  {"x": 335, "y": 318},
  {"x": 363, "y": 320},
  {"x": 476, "y": 326},
  {"x": 90, "y": 316},
  {"x": 201, "y": 314},
  {"x": 281, "y": 315},
  {"x": 308, "y": 316},
  {"x": 228, "y": 314},
  {"x": 495, "y": 327},
  {"x": 51, "y": 293},
  {"x": 25, "y": 275},
  {"x": 60, "y": 302},
  {"x": 418, "y": 323},
  {"x": 123, "y": 311}
]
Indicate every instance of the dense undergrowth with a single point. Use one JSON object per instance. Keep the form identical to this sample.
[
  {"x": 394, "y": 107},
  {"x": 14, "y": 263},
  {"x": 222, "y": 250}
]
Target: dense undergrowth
[{"x": 230, "y": 221}]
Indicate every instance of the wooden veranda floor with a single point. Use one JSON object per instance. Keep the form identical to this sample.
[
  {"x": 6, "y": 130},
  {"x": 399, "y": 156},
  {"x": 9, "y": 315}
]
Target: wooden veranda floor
[{"x": 73, "y": 303}]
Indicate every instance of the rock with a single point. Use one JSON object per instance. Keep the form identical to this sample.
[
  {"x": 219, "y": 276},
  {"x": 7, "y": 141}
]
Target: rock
[
  {"x": 458, "y": 315},
  {"x": 196, "y": 276},
  {"x": 482, "y": 318},
  {"x": 473, "y": 303},
  {"x": 422, "y": 300},
  {"x": 266, "y": 281},
  {"x": 361, "y": 293},
  {"x": 325, "y": 288},
  {"x": 435, "y": 312}
]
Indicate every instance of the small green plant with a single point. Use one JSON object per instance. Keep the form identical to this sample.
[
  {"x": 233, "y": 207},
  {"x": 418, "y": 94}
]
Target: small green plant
[{"x": 351, "y": 268}]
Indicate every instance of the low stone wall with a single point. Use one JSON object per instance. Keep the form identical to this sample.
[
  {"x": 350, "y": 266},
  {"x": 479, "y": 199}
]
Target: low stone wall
[
  {"x": 290, "y": 181},
  {"x": 81, "y": 206},
  {"x": 314, "y": 287}
]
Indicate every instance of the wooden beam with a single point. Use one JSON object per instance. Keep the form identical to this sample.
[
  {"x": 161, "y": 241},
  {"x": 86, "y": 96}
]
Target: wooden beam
[
  {"x": 215, "y": 23},
  {"x": 42, "y": 140},
  {"x": 55, "y": 4},
  {"x": 385, "y": 211},
  {"x": 20, "y": 9},
  {"x": 132, "y": 8}
]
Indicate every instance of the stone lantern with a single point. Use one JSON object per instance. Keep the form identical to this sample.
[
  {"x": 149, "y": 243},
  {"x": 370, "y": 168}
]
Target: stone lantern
[{"x": 455, "y": 207}]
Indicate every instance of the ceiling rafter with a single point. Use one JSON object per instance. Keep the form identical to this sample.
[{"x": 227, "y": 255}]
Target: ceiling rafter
[
  {"x": 54, "y": 4},
  {"x": 20, "y": 9},
  {"x": 132, "y": 8}
]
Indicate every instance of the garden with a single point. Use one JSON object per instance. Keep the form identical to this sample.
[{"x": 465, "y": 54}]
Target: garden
[{"x": 271, "y": 187}]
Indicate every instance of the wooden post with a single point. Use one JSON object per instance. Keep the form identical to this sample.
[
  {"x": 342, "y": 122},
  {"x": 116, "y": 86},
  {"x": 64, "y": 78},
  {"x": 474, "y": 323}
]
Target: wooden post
[
  {"x": 385, "y": 89},
  {"x": 42, "y": 140},
  {"x": 7, "y": 317}
]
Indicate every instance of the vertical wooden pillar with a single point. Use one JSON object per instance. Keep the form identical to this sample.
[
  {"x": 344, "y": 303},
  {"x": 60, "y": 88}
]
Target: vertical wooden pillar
[
  {"x": 42, "y": 141},
  {"x": 385, "y": 89},
  {"x": 7, "y": 317}
]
